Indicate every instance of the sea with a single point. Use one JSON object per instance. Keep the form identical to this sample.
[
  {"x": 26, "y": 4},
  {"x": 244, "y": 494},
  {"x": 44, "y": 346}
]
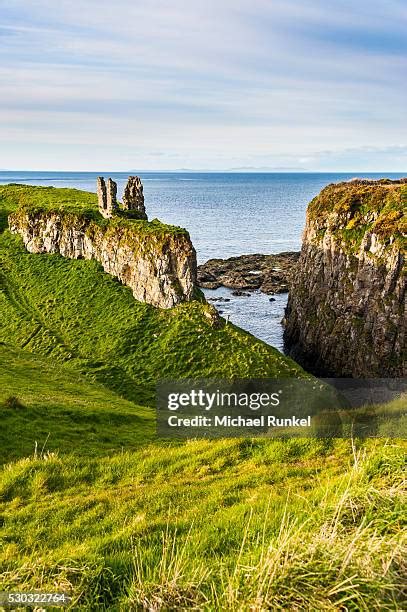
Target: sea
[{"x": 226, "y": 214}]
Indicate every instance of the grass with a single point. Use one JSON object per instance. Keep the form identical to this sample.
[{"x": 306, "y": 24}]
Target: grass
[
  {"x": 13, "y": 197},
  {"x": 229, "y": 525},
  {"x": 94, "y": 504},
  {"x": 45, "y": 406}
]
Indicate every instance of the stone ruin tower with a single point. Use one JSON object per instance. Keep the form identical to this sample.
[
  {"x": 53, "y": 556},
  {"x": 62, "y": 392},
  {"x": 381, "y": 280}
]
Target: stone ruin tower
[
  {"x": 107, "y": 197},
  {"x": 133, "y": 198}
]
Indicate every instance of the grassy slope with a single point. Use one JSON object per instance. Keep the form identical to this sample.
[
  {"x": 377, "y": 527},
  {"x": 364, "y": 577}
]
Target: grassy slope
[
  {"x": 57, "y": 409},
  {"x": 221, "y": 525},
  {"x": 14, "y": 196}
]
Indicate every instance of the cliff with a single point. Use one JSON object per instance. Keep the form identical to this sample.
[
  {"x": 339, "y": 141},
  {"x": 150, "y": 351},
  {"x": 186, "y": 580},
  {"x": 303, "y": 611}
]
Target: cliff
[
  {"x": 346, "y": 308},
  {"x": 158, "y": 262}
]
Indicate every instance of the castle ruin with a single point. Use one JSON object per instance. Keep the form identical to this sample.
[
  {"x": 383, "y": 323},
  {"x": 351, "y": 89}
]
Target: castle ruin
[
  {"x": 133, "y": 198},
  {"x": 106, "y": 197}
]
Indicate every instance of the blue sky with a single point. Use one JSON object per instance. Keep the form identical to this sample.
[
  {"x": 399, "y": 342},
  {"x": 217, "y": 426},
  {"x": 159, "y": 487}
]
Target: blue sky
[{"x": 92, "y": 85}]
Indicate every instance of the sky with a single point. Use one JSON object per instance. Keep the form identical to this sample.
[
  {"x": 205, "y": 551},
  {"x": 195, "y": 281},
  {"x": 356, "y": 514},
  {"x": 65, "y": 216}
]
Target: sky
[{"x": 202, "y": 84}]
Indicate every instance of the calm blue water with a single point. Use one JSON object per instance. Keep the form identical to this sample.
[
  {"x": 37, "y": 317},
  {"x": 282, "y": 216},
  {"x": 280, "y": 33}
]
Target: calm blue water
[{"x": 226, "y": 214}]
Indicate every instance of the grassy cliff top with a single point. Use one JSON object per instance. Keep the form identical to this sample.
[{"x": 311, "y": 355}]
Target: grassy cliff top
[
  {"x": 72, "y": 203},
  {"x": 352, "y": 208}
]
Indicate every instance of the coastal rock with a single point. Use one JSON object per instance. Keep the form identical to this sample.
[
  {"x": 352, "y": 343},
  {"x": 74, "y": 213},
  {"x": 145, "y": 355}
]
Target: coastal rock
[
  {"x": 269, "y": 273},
  {"x": 111, "y": 196},
  {"x": 157, "y": 263},
  {"x": 346, "y": 311},
  {"x": 213, "y": 317}
]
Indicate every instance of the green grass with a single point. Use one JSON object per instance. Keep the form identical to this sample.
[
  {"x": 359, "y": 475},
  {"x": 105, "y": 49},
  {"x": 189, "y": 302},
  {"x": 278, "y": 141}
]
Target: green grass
[
  {"x": 30, "y": 197},
  {"x": 93, "y": 503},
  {"x": 228, "y": 525},
  {"x": 44, "y": 406}
]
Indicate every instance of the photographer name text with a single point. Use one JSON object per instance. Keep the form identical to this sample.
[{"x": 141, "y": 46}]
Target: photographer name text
[{"x": 237, "y": 421}]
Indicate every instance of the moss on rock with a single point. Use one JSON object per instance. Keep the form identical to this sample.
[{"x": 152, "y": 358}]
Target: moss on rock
[{"x": 348, "y": 210}]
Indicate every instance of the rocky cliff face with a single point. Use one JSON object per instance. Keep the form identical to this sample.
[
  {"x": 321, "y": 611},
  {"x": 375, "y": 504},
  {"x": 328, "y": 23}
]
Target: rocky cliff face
[
  {"x": 157, "y": 262},
  {"x": 346, "y": 312}
]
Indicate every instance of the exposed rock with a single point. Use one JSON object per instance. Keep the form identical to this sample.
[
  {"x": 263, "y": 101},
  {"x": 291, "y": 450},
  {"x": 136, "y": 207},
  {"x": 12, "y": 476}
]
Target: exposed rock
[
  {"x": 159, "y": 265},
  {"x": 218, "y": 299},
  {"x": 213, "y": 317},
  {"x": 269, "y": 273},
  {"x": 207, "y": 280},
  {"x": 383, "y": 181},
  {"x": 239, "y": 293},
  {"x": 133, "y": 197},
  {"x": 346, "y": 309}
]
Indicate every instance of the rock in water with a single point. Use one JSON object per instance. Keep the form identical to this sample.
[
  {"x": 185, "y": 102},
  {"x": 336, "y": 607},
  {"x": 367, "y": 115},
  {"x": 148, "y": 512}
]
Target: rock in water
[
  {"x": 269, "y": 273},
  {"x": 346, "y": 308},
  {"x": 133, "y": 197}
]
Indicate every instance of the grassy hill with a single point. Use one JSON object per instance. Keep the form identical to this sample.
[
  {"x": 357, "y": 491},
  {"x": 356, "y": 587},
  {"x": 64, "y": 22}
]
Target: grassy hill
[{"x": 93, "y": 503}]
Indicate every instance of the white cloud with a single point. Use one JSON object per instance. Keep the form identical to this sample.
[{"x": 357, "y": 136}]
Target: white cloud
[{"x": 200, "y": 79}]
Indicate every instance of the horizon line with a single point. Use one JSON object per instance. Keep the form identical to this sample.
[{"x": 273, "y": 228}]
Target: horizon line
[{"x": 211, "y": 171}]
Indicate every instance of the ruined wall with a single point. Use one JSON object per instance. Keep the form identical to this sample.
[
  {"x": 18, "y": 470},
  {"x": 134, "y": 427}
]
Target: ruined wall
[
  {"x": 157, "y": 262},
  {"x": 133, "y": 197},
  {"x": 346, "y": 313},
  {"x": 107, "y": 197},
  {"x": 132, "y": 206}
]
